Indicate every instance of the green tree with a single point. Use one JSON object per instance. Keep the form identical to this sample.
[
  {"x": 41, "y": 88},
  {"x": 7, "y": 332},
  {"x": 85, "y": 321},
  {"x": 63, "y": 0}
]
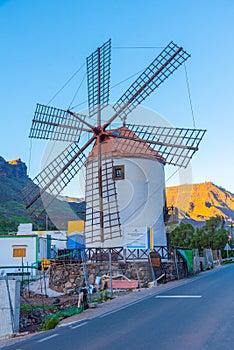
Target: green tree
[
  {"x": 212, "y": 235},
  {"x": 182, "y": 235},
  {"x": 216, "y": 234},
  {"x": 7, "y": 226}
]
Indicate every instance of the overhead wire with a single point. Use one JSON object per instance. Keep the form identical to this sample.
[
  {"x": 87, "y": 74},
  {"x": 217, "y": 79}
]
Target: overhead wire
[
  {"x": 112, "y": 87},
  {"x": 137, "y": 47},
  {"x": 55, "y": 95},
  {"x": 189, "y": 95},
  {"x": 67, "y": 82},
  {"x": 30, "y": 156},
  {"x": 123, "y": 81},
  {"x": 77, "y": 90}
]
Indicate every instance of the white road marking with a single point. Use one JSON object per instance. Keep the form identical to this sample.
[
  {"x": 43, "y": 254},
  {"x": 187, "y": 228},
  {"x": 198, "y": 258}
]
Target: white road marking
[
  {"x": 79, "y": 325},
  {"x": 47, "y": 338},
  {"x": 178, "y": 296},
  {"x": 70, "y": 324},
  {"x": 121, "y": 308}
]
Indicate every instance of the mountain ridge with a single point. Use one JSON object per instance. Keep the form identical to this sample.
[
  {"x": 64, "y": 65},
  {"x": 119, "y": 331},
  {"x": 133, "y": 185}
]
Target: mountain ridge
[
  {"x": 13, "y": 178},
  {"x": 202, "y": 201},
  {"x": 196, "y": 202}
]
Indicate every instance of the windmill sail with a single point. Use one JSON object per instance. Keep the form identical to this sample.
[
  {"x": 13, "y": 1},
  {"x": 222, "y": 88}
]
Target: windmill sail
[
  {"x": 165, "y": 64},
  {"x": 50, "y": 123},
  {"x": 98, "y": 78},
  {"x": 110, "y": 210},
  {"x": 174, "y": 146},
  {"x": 55, "y": 177}
]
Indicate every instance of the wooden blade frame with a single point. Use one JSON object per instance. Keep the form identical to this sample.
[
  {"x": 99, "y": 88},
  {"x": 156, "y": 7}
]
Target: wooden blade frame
[
  {"x": 98, "y": 78},
  {"x": 175, "y": 146},
  {"x": 50, "y": 123},
  {"x": 94, "y": 232},
  {"x": 165, "y": 64},
  {"x": 55, "y": 177}
]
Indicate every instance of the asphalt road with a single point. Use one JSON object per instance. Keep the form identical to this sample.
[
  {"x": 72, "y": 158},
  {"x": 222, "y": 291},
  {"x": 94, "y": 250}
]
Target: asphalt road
[{"x": 195, "y": 316}]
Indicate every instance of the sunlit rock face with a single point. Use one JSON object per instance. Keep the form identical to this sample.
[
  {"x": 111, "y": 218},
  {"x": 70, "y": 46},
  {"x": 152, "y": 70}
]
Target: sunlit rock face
[{"x": 12, "y": 168}]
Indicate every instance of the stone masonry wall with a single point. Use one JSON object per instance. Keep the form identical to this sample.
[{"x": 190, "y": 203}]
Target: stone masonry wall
[{"x": 65, "y": 277}]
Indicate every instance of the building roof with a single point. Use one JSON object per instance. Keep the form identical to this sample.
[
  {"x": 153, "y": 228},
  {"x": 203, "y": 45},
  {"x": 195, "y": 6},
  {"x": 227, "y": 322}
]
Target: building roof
[{"x": 122, "y": 142}]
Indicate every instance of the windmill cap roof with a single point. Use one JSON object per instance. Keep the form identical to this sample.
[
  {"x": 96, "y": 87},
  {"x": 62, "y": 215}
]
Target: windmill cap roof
[{"x": 122, "y": 142}]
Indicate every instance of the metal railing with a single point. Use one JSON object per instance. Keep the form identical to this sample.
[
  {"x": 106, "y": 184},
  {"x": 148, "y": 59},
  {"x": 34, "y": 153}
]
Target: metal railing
[{"x": 117, "y": 254}]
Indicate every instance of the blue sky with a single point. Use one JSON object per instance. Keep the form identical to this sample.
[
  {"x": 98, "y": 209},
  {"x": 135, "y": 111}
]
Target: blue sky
[{"x": 44, "y": 42}]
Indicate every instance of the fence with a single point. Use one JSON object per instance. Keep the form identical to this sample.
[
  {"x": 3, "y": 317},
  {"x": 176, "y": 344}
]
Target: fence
[{"x": 117, "y": 254}]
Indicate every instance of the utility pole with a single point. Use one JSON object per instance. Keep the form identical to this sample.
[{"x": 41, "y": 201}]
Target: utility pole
[{"x": 110, "y": 268}]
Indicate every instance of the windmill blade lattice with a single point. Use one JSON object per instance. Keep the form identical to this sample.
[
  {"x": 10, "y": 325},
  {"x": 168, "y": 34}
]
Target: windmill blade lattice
[
  {"x": 174, "y": 146},
  {"x": 171, "y": 58},
  {"x": 110, "y": 211},
  {"x": 98, "y": 78},
  {"x": 50, "y": 123},
  {"x": 54, "y": 178}
]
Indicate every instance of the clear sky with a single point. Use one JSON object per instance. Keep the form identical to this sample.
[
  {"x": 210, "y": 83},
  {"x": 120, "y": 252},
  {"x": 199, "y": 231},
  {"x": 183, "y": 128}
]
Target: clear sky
[{"x": 44, "y": 42}]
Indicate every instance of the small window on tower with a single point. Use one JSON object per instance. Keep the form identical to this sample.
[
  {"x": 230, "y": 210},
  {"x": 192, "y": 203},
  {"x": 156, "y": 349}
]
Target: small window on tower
[{"x": 118, "y": 172}]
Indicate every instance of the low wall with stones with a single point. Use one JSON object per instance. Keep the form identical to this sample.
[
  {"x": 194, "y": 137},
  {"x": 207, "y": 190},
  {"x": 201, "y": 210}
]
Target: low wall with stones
[
  {"x": 171, "y": 273},
  {"x": 65, "y": 277}
]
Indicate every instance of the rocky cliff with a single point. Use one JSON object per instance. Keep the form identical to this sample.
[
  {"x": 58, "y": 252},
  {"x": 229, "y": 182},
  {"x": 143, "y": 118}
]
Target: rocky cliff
[
  {"x": 13, "y": 178},
  {"x": 13, "y": 168},
  {"x": 201, "y": 201}
]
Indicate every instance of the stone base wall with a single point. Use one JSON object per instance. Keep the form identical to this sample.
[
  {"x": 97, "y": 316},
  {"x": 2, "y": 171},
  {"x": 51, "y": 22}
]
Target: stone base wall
[
  {"x": 65, "y": 277},
  {"x": 169, "y": 268}
]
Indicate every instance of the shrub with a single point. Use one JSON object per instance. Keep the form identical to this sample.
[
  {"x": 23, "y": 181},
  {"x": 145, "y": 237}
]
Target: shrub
[{"x": 50, "y": 323}]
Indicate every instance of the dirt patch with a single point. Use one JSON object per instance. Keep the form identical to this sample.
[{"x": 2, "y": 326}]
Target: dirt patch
[{"x": 34, "y": 308}]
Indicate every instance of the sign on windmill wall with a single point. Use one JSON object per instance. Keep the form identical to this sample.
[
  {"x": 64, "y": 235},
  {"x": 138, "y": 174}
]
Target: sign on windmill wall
[
  {"x": 138, "y": 237},
  {"x": 135, "y": 237}
]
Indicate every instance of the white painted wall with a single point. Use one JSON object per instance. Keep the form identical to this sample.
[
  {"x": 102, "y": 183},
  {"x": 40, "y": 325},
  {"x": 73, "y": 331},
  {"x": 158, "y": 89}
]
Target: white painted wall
[
  {"x": 6, "y": 252},
  {"x": 142, "y": 198}
]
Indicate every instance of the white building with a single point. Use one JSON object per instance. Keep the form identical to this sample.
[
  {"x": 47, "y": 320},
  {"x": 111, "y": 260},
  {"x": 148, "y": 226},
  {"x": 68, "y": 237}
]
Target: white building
[{"x": 18, "y": 253}]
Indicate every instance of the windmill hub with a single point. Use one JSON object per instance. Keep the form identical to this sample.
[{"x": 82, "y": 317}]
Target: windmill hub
[
  {"x": 100, "y": 133},
  {"x": 97, "y": 130}
]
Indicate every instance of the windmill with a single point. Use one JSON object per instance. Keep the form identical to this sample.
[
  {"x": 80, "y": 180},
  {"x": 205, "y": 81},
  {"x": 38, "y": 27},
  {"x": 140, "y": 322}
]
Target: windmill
[{"x": 121, "y": 162}]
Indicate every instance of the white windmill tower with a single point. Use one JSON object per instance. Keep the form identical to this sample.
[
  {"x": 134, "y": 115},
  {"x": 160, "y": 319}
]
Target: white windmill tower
[{"x": 125, "y": 186}]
